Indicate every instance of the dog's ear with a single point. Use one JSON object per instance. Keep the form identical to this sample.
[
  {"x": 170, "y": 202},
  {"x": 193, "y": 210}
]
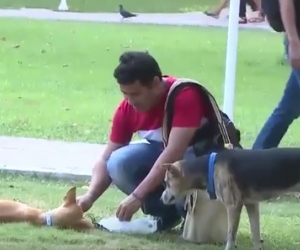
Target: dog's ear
[
  {"x": 172, "y": 169},
  {"x": 70, "y": 197}
]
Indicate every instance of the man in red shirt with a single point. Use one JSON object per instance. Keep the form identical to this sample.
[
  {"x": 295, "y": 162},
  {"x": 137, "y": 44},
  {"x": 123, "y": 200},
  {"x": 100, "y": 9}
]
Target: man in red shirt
[{"x": 135, "y": 168}]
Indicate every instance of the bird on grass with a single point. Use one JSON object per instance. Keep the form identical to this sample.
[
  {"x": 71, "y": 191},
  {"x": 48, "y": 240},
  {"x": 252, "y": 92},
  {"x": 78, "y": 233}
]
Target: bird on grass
[{"x": 124, "y": 13}]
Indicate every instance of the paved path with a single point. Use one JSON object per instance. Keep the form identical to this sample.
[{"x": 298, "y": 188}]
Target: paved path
[
  {"x": 68, "y": 160},
  {"x": 62, "y": 159},
  {"x": 191, "y": 19}
]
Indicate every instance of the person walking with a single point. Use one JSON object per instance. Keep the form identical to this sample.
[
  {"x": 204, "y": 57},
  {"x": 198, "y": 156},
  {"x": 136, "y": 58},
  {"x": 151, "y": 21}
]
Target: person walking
[
  {"x": 283, "y": 16},
  {"x": 242, "y": 11}
]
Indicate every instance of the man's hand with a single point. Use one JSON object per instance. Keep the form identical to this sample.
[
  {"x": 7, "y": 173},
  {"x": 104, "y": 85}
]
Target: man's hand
[
  {"x": 85, "y": 202},
  {"x": 128, "y": 207},
  {"x": 294, "y": 53},
  {"x": 288, "y": 15}
]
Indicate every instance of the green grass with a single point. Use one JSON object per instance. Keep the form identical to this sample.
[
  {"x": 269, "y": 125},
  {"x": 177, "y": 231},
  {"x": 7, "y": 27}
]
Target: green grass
[
  {"x": 155, "y": 6},
  {"x": 56, "y": 82},
  {"x": 280, "y": 223},
  {"x": 56, "y": 77}
]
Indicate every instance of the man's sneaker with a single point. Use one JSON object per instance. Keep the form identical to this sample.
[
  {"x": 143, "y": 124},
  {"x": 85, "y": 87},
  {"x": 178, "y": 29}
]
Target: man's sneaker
[{"x": 166, "y": 223}]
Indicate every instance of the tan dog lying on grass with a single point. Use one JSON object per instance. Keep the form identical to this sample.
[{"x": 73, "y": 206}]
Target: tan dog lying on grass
[{"x": 68, "y": 216}]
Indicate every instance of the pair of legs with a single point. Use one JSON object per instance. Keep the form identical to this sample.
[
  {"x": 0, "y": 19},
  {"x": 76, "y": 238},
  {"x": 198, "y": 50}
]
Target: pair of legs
[
  {"x": 283, "y": 115},
  {"x": 243, "y": 6},
  {"x": 129, "y": 165},
  {"x": 255, "y": 6}
]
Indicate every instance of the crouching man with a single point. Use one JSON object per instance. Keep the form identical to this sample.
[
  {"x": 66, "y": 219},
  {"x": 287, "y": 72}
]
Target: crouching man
[{"x": 177, "y": 119}]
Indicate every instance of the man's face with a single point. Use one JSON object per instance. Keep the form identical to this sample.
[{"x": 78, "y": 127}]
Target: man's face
[{"x": 139, "y": 96}]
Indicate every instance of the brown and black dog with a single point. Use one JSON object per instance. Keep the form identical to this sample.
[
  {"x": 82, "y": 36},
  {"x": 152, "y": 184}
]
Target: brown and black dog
[{"x": 237, "y": 177}]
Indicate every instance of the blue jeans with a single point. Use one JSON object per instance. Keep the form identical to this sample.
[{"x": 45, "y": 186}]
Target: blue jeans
[
  {"x": 283, "y": 115},
  {"x": 128, "y": 167}
]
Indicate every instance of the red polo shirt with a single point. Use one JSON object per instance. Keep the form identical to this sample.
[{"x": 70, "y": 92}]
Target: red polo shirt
[{"x": 189, "y": 111}]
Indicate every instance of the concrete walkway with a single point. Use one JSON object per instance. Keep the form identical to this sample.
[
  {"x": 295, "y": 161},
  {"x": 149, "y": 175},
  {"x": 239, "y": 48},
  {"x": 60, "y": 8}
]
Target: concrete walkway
[
  {"x": 71, "y": 160},
  {"x": 191, "y": 18}
]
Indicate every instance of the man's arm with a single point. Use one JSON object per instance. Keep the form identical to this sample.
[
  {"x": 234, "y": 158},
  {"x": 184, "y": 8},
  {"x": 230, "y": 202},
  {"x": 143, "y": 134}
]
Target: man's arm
[
  {"x": 287, "y": 10},
  {"x": 100, "y": 179},
  {"x": 188, "y": 112},
  {"x": 120, "y": 135}
]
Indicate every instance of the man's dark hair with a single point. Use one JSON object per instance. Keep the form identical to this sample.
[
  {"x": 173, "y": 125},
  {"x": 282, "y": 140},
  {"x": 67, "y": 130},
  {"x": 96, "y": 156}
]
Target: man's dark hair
[{"x": 137, "y": 66}]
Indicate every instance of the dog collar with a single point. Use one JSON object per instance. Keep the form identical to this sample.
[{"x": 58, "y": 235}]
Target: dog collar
[
  {"x": 48, "y": 220},
  {"x": 210, "y": 178}
]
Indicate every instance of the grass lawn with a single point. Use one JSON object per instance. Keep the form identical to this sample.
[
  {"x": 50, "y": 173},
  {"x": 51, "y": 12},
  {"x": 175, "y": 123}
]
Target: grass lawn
[
  {"x": 56, "y": 82},
  {"x": 280, "y": 223},
  {"x": 157, "y": 6}
]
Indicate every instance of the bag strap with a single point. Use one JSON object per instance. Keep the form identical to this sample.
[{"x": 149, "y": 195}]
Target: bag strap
[{"x": 221, "y": 124}]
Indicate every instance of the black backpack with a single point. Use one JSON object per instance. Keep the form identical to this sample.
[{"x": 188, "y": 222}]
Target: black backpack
[{"x": 271, "y": 9}]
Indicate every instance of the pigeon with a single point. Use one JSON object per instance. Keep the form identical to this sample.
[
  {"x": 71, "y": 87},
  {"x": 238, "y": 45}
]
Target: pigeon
[{"x": 124, "y": 13}]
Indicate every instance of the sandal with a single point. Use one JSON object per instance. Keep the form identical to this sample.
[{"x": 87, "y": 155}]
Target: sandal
[
  {"x": 243, "y": 20},
  {"x": 211, "y": 14},
  {"x": 258, "y": 19}
]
